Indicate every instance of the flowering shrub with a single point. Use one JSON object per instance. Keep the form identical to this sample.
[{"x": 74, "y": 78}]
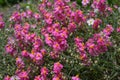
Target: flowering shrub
[{"x": 59, "y": 41}]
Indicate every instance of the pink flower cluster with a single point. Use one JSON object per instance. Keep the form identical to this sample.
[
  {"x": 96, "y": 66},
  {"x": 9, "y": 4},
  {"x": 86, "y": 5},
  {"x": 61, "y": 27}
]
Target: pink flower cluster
[
  {"x": 45, "y": 33},
  {"x": 100, "y": 5},
  {"x": 56, "y": 30},
  {"x": 96, "y": 45},
  {"x": 81, "y": 48},
  {"x": 57, "y": 71}
]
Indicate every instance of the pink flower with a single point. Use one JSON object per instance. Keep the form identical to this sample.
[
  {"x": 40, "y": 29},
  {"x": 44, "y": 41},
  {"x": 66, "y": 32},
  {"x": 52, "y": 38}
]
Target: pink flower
[
  {"x": 48, "y": 18},
  {"x": 32, "y": 55},
  {"x": 72, "y": 27},
  {"x": 58, "y": 11},
  {"x": 49, "y": 40},
  {"x": 37, "y": 77},
  {"x": 14, "y": 78},
  {"x": 29, "y": 13},
  {"x": 100, "y": 5},
  {"x": 84, "y": 57},
  {"x": 19, "y": 62},
  {"x": 49, "y": 4},
  {"x": 79, "y": 17},
  {"x": 56, "y": 46},
  {"x": 26, "y": 26},
  {"x": 108, "y": 30},
  {"x": 96, "y": 24},
  {"x": 80, "y": 45},
  {"x": 43, "y": 51},
  {"x": 54, "y": 54},
  {"x": 74, "y": 4},
  {"x": 44, "y": 71},
  {"x": 75, "y": 77},
  {"x": 9, "y": 49},
  {"x": 7, "y": 77},
  {"x": 57, "y": 67},
  {"x": 91, "y": 47},
  {"x": 85, "y": 2},
  {"x": 36, "y": 16},
  {"x": 67, "y": 1},
  {"x": 16, "y": 17},
  {"x": 38, "y": 56},
  {"x": 118, "y": 29},
  {"x": 37, "y": 43},
  {"x": 56, "y": 78},
  {"x": 23, "y": 75},
  {"x": 25, "y": 53},
  {"x": 23, "y": 15}
]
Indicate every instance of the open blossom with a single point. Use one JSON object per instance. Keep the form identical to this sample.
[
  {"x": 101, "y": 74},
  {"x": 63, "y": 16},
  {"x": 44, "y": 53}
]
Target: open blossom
[
  {"x": 56, "y": 78},
  {"x": 100, "y": 5},
  {"x": 96, "y": 24},
  {"x": 23, "y": 15},
  {"x": 23, "y": 75},
  {"x": 36, "y": 16},
  {"x": 19, "y": 62},
  {"x": 57, "y": 67},
  {"x": 43, "y": 51},
  {"x": 29, "y": 13},
  {"x": 48, "y": 18},
  {"x": 85, "y": 2},
  {"x": 14, "y": 78},
  {"x": 118, "y": 29},
  {"x": 16, "y": 17},
  {"x": 44, "y": 71},
  {"x": 54, "y": 54},
  {"x": 71, "y": 27},
  {"x": 10, "y": 49},
  {"x": 37, "y": 43},
  {"x": 24, "y": 53},
  {"x": 56, "y": 46},
  {"x": 79, "y": 16},
  {"x": 108, "y": 30},
  {"x": 90, "y": 21},
  {"x": 38, "y": 56},
  {"x": 7, "y": 77},
  {"x": 48, "y": 40},
  {"x": 76, "y": 77},
  {"x": 37, "y": 78}
]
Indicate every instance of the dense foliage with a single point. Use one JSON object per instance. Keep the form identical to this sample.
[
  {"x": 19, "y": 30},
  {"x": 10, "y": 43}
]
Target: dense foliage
[
  {"x": 6, "y": 2},
  {"x": 61, "y": 40}
]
